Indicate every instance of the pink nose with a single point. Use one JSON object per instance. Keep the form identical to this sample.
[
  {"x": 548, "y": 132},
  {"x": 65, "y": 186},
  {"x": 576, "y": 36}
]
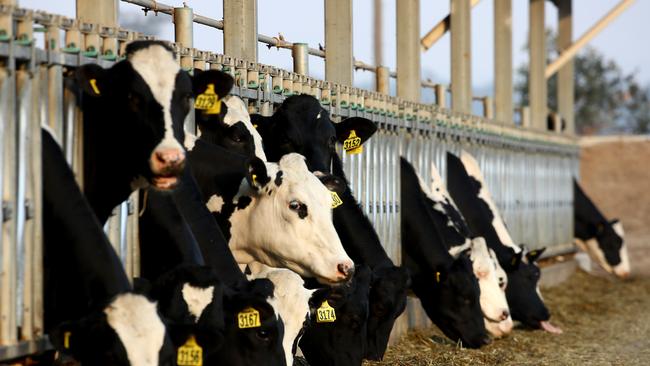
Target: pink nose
[
  {"x": 624, "y": 275},
  {"x": 167, "y": 161},
  {"x": 504, "y": 315},
  {"x": 345, "y": 270}
]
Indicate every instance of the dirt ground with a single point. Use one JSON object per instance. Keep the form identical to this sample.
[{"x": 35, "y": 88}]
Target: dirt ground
[{"x": 605, "y": 321}]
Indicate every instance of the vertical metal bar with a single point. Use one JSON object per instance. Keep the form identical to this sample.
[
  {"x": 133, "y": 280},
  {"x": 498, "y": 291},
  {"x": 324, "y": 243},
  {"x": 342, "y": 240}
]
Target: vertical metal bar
[
  {"x": 184, "y": 34},
  {"x": 338, "y": 41},
  {"x": 382, "y": 79},
  {"x": 461, "y": 59},
  {"x": 503, "y": 60},
  {"x": 408, "y": 49},
  {"x": 537, "y": 57},
  {"x": 300, "y": 54},
  {"x": 98, "y": 11},
  {"x": 240, "y": 29},
  {"x": 565, "y": 82}
]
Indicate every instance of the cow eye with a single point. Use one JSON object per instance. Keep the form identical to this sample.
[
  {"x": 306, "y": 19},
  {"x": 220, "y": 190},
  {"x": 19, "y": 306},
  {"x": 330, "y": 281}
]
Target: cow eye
[
  {"x": 263, "y": 334},
  {"x": 295, "y": 205}
]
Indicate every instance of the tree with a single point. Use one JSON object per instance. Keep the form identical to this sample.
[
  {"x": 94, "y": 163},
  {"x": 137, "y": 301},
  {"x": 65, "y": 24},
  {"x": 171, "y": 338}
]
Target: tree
[{"x": 606, "y": 98}]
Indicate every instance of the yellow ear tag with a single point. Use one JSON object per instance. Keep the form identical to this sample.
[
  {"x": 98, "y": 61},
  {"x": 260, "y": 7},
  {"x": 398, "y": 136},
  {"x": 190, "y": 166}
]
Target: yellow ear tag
[
  {"x": 248, "y": 318},
  {"x": 514, "y": 261},
  {"x": 438, "y": 277},
  {"x": 325, "y": 313},
  {"x": 93, "y": 84},
  {"x": 66, "y": 340},
  {"x": 209, "y": 101},
  {"x": 190, "y": 354},
  {"x": 255, "y": 127},
  {"x": 336, "y": 200},
  {"x": 352, "y": 145},
  {"x": 254, "y": 178}
]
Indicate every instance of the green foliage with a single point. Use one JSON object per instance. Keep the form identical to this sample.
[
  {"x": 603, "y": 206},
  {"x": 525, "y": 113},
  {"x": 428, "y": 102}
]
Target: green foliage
[{"x": 606, "y": 98}]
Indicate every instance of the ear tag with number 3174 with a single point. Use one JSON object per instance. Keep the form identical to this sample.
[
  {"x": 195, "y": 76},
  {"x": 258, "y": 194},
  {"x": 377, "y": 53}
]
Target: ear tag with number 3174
[{"x": 325, "y": 313}]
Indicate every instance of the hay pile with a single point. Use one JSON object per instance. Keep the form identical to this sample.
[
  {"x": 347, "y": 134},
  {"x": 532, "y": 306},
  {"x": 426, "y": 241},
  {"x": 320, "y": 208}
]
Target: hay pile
[{"x": 605, "y": 322}]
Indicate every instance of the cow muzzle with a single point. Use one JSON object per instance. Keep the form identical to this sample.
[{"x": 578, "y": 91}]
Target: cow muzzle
[
  {"x": 166, "y": 165},
  {"x": 344, "y": 271}
]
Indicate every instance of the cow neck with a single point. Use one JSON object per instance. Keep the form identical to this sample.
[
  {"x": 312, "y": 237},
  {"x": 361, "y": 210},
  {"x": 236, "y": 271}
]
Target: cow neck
[
  {"x": 107, "y": 168},
  {"x": 464, "y": 190},
  {"x": 209, "y": 236},
  {"x": 585, "y": 212},
  {"x": 79, "y": 260},
  {"x": 451, "y": 234},
  {"x": 421, "y": 241},
  {"x": 359, "y": 238}
]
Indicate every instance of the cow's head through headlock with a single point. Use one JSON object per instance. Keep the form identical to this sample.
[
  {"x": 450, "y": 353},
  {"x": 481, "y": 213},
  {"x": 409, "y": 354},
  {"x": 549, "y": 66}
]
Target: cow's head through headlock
[{"x": 144, "y": 100}]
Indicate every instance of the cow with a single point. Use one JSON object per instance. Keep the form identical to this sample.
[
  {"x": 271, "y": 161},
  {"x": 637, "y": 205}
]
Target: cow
[
  {"x": 457, "y": 237},
  {"x": 467, "y": 187},
  {"x": 243, "y": 193},
  {"x": 91, "y": 311},
  {"x": 302, "y": 125},
  {"x": 445, "y": 285},
  {"x": 603, "y": 240},
  {"x": 133, "y": 121}
]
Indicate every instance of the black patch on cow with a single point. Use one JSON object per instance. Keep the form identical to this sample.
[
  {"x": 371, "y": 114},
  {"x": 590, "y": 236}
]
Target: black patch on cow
[
  {"x": 278, "y": 178},
  {"x": 243, "y": 202}
]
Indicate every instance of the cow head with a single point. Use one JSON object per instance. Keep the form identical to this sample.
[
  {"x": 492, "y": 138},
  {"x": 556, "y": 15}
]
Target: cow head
[
  {"x": 146, "y": 98},
  {"x": 524, "y": 297},
  {"x": 495, "y": 309},
  {"x": 293, "y": 211},
  {"x": 302, "y": 125},
  {"x": 128, "y": 331},
  {"x": 455, "y": 303},
  {"x": 253, "y": 331},
  {"x": 341, "y": 341},
  {"x": 228, "y": 125},
  {"x": 190, "y": 298},
  {"x": 608, "y": 247},
  {"x": 387, "y": 301}
]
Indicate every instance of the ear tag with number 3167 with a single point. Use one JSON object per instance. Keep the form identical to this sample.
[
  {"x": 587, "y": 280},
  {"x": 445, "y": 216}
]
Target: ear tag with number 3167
[{"x": 248, "y": 318}]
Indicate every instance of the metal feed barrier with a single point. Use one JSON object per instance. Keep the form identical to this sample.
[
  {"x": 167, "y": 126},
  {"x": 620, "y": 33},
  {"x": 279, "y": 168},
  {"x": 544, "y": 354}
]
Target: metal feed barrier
[{"x": 528, "y": 172}]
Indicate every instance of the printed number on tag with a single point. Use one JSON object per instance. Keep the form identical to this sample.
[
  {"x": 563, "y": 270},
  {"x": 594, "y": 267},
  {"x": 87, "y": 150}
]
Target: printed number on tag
[
  {"x": 190, "y": 354},
  {"x": 248, "y": 318},
  {"x": 325, "y": 313}
]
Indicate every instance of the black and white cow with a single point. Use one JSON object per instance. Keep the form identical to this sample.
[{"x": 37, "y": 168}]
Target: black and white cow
[
  {"x": 603, "y": 240},
  {"x": 302, "y": 125},
  {"x": 91, "y": 312},
  {"x": 466, "y": 185},
  {"x": 457, "y": 237},
  {"x": 446, "y": 286},
  {"x": 133, "y": 122}
]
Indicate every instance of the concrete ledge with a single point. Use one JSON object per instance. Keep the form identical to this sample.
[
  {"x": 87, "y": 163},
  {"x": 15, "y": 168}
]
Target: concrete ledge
[{"x": 555, "y": 273}]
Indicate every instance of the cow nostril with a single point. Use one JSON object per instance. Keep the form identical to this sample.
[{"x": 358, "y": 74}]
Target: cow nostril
[
  {"x": 505, "y": 315},
  {"x": 345, "y": 269}
]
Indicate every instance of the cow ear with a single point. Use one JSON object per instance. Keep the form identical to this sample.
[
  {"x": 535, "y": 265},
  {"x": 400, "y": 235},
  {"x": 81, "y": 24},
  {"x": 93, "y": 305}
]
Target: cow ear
[
  {"x": 363, "y": 128},
  {"x": 90, "y": 78},
  {"x": 212, "y": 81},
  {"x": 534, "y": 255},
  {"x": 332, "y": 182},
  {"x": 261, "y": 123},
  {"x": 515, "y": 260},
  {"x": 257, "y": 176}
]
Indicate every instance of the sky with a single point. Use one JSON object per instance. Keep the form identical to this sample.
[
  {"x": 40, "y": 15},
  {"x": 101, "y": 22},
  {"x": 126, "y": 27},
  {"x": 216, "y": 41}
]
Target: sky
[{"x": 303, "y": 21}]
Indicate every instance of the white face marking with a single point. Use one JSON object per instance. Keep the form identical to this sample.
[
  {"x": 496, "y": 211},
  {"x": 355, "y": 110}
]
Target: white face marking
[
  {"x": 196, "y": 299},
  {"x": 237, "y": 112},
  {"x": 309, "y": 245},
  {"x": 158, "y": 68},
  {"x": 137, "y": 324},
  {"x": 493, "y": 298},
  {"x": 439, "y": 195},
  {"x": 215, "y": 203},
  {"x": 472, "y": 168},
  {"x": 290, "y": 300},
  {"x": 318, "y": 115},
  {"x": 190, "y": 141},
  {"x": 49, "y": 130},
  {"x": 594, "y": 251}
]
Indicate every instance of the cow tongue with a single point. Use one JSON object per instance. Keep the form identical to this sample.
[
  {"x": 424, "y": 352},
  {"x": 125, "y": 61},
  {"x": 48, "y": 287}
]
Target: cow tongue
[{"x": 547, "y": 326}]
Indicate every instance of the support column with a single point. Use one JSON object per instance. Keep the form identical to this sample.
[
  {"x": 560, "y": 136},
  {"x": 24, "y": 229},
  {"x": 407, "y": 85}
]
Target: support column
[
  {"x": 300, "y": 54},
  {"x": 461, "y": 57},
  {"x": 565, "y": 81},
  {"x": 338, "y": 41},
  {"x": 503, "y": 107},
  {"x": 408, "y": 49},
  {"x": 240, "y": 29},
  {"x": 98, "y": 11},
  {"x": 537, "y": 92},
  {"x": 382, "y": 75}
]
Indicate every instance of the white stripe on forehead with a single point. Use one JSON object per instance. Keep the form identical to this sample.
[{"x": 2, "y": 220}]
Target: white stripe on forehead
[
  {"x": 157, "y": 66},
  {"x": 237, "y": 112}
]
